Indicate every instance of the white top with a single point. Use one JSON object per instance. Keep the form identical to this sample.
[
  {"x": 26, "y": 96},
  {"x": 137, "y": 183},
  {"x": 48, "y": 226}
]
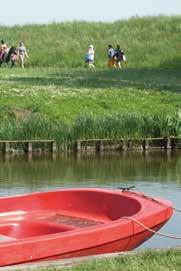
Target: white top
[
  {"x": 91, "y": 54},
  {"x": 110, "y": 52}
]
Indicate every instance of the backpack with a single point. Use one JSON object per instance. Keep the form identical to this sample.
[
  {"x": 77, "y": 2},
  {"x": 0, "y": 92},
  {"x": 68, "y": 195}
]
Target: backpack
[
  {"x": 86, "y": 58},
  {"x": 124, "y": 58}
]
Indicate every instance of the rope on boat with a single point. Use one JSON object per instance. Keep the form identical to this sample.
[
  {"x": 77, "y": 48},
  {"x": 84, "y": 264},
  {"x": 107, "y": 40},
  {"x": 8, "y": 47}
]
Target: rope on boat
[
  {"x": 145, "y": 196},
  {"x": 155, "y": 232},
  {"x": 177, "y": 210}
]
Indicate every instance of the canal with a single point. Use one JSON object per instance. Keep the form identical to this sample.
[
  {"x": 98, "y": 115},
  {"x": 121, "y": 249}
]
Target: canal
[{"x": 157, "y": 174}]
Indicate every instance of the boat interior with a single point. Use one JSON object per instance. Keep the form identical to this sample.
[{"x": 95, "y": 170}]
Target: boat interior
[{"x": 41, "y": 214}]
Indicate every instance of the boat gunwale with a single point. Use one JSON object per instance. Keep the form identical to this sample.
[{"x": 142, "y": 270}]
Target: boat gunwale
[{"x": 122, "y": 221}]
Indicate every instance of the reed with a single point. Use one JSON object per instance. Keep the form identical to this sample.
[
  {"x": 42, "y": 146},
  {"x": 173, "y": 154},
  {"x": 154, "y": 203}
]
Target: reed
[
  {"x": 112, "y": 126},
  {"x": 126, "y": 125}
]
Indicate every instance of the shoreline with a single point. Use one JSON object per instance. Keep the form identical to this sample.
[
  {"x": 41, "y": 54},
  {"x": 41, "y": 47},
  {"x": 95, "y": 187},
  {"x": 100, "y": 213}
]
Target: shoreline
[{"x": 72, "y": 262}]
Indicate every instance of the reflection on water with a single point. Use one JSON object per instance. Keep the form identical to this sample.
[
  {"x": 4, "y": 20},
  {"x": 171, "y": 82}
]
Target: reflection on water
[{"x": 154, "y": 173}]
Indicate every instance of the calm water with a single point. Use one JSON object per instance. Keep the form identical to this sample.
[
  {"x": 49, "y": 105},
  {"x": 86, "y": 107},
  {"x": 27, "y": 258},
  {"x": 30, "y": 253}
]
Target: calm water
[{"x": 156, "y": 174}]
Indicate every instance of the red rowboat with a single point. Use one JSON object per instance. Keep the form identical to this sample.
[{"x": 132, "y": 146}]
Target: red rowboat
[{"x": 76, "y": 222}]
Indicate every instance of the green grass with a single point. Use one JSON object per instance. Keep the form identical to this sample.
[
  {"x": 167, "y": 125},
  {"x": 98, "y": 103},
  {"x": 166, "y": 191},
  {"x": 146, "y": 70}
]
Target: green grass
[
  {"x": 152, "y": 42},
  {"x": 57, "y": 97},
  {"x": 70, "y": 104},
  {"x": 167, "y": 260}
]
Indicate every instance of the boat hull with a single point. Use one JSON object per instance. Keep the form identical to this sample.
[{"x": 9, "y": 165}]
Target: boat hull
[
  {"x": 120, "y": 245},
  {"x": 76, "y": 222}
]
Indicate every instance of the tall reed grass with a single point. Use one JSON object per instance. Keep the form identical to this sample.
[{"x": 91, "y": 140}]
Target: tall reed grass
[
  {"x": 126, "y": 125},
  {"x": 112, "y": 126}
]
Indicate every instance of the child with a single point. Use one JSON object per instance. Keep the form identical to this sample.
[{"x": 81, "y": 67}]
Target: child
[
  {"x": 90, "y": 57},
  {"x": 13, "y": 57}
]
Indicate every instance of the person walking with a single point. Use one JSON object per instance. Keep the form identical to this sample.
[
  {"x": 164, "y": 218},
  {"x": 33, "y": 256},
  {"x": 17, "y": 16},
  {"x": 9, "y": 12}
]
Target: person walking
[
  {"x": 119, "y": 56},
  {"x": 13, "y": 56},
  {"x": 22, "y": 53},
  {"x": 111, "y": 53},
  {"x": 3, "y": 51},
  {"x": 90, "y": 56}
]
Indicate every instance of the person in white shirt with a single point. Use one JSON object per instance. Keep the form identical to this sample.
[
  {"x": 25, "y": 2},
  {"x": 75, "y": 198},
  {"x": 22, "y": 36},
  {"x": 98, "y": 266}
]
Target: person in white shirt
[
  {"x": 111, "y": 60},
  {"x": 22, "y": 53},
  {"x": 91, "y": 54}
]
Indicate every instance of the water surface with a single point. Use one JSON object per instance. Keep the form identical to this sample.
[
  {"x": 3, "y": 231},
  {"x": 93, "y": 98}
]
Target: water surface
[{"x": 154, "y": 173}]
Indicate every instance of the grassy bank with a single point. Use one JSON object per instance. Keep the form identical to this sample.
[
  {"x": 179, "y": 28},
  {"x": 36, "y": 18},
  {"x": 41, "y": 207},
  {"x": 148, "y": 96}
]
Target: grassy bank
[
  {"x": 69, "y": 104},
  {"x": 56, "y": 97},
  {"x": 152, "y": 42},
  {"x": 167, "y": 260}
]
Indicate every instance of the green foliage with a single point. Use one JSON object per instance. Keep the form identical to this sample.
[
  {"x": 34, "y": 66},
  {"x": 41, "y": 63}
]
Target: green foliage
[
  {"x": 166, "y": 260},
  {"x": 41, "y": 104},
  {"x": 148, "y": 42},
  {"x": 125, "y": 125},
  {"x": 47, "y": 101}
]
